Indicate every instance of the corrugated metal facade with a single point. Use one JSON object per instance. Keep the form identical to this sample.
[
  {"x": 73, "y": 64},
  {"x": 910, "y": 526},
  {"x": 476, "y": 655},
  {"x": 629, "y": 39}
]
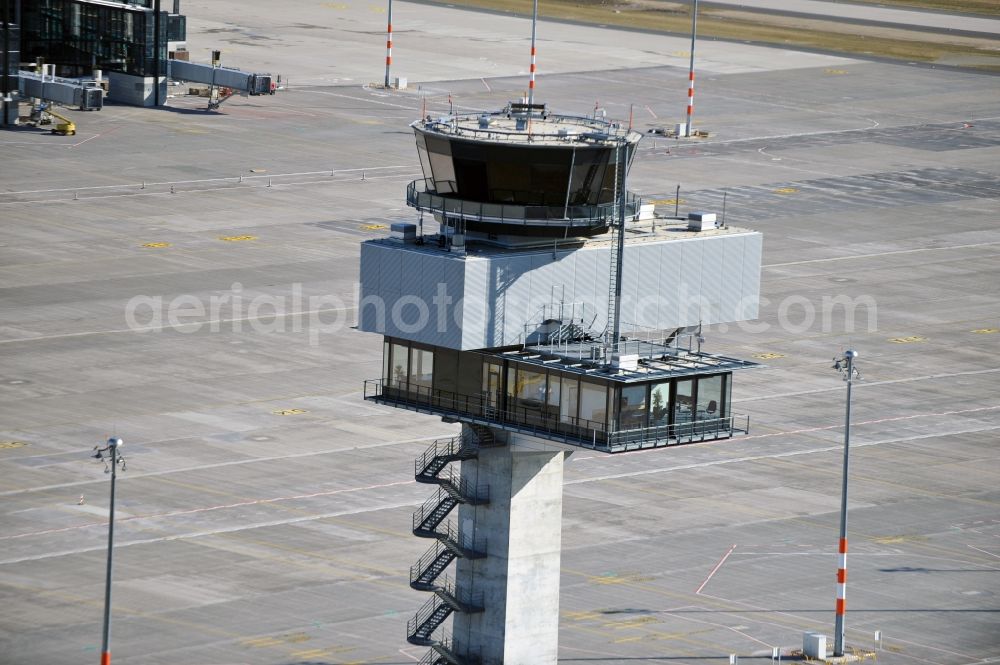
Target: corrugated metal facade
[{"x": 487, "y": 300}]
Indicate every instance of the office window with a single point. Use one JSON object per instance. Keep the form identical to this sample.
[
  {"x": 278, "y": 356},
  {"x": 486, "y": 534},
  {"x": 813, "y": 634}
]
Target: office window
[
  {"x": 421, "y": 375},
  {"x": 569, "y": 390},
  {"x": 659, "y": 404},
  {"x": 684, "y": 402},
  {"x": 709, "y": 397},
  {"x": 386, "y": 350},
  {"x": 530, "y": 388},
  {"x": 399, "y": 364},
  {"x": 632, "y": 407},
  {"x": 593, "y": 405}
]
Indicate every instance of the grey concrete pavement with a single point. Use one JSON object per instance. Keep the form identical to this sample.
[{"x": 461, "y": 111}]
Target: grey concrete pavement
[
  {"x": 433, "y": 44},
  {"x": 265, "y": 512}
]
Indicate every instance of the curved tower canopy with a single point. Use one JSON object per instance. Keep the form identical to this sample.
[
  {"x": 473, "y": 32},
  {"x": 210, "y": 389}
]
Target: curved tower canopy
[{"x": 523, "y": 171}]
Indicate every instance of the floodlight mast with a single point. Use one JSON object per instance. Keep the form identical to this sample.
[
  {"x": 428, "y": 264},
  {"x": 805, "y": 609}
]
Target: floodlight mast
[
  {"x": 845, "y": 365},
  {"x": 112, "y": 447}
]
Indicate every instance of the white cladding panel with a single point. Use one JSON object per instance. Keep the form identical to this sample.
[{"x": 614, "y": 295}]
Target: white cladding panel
[
  {"x": 488, "y": 299},
  {"x": 731, "y": 292},
  {"x": 664, "y": 293},
  {"x": 753, "y": 248},
  {"x": 692, "y": 306},
  {"x": 477, "y": 331},
  {"x": 712, "y": 269}
]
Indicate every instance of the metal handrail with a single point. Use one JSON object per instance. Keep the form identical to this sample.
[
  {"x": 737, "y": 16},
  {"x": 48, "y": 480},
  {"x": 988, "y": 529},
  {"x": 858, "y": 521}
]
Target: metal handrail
[
  {"x": 572, "y": 431},
  {"x": 470, "y": 493},
  {"x": 587, "y": 433},
  {"x": 426, "y": 559},
  {"x": 469, "y": 602},
  {"x": 695, "y": 430},
  {"x": 449, "y": 447},
  {"x": 559, "y": 215},
  {"x": 473, "y": 548},
  {"x": 589, "y": 127},
  {"x": 421, "y": 514},
  {"x": 449, "y": 533},
  {"x": 436, "y": 602}
]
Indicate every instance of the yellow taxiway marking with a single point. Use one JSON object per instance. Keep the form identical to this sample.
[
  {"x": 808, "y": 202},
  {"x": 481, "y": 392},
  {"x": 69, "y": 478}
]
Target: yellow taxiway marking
[
  {"x": 156, "y": 245},
  {"x": 581, "y": 616},
  {"x": 620, "y": 579},
  {"x": 276, "y": 640},
  {"x": 768, "y": 356},
  {"x": 372, "y": 227},
  {"x": 13, "y": 444},
  {"x": 261, "y": 642},
  {"x": 835, "y": 72},
  {"x": 681, "y": 54},
  {"x": 666, "y": 202},
  {"x": 631, "y": 623},
  {"x": 319, "y": 653},
  {"x": 289, "y": 412},
  {"x": 785, "y": 190},
  {"x": 985, "y": 331},
  {"x": 907, "y": 340},
  {"x": 237, "y": 238}
]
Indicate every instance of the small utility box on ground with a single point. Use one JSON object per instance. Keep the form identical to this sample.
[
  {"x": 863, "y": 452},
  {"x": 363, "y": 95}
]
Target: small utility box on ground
[{"x": 814, "y": 645}]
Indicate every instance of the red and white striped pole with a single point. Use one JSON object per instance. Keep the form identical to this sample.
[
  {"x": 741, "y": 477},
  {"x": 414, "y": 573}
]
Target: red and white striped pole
[
  {"x": 388, "y": 46},
  {"x": 841, "y": 598},
  {"x": 531, "y": 81},
  {"x": 690, "y": 108}
]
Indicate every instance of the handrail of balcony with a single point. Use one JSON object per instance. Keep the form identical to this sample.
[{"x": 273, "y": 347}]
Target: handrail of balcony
[
  {"x": 558, "y": 215},
  {"x": 468, "y": 125},
  {"x": 572, "y": 431},
  {"x": 695, "y": 430}
]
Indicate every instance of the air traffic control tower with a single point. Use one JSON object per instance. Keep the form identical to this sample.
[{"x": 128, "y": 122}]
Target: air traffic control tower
[{"x": 550, "y": 311}]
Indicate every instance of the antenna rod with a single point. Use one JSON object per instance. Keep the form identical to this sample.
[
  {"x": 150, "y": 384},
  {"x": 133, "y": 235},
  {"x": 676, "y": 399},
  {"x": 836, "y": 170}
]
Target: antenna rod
[
  {"x": 531, "y": 81},
  {"x": 694, "y": 29},
  {"x": 620, "y": 246},
  {"x": 388, "y": 46}
]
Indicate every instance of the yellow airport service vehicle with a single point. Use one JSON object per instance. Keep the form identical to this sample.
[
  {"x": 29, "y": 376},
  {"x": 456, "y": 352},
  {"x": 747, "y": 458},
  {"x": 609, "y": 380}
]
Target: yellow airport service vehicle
[{"x": 43, "y": 115}]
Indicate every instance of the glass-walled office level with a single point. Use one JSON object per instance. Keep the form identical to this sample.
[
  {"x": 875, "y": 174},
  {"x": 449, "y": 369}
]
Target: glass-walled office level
[
  {"x": 552, "y": 397},
  {"x": 521, "y": 174}
]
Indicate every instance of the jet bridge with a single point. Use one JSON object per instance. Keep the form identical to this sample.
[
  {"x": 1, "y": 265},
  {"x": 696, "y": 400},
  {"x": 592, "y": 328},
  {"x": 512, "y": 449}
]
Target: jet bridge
[
  {"x": 85, "y": 95},
  {"x": 223, "y": 77}
]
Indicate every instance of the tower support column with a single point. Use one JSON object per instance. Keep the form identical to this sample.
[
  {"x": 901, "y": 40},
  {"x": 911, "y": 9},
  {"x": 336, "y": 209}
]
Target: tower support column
[{"x": 519, "y": 577}]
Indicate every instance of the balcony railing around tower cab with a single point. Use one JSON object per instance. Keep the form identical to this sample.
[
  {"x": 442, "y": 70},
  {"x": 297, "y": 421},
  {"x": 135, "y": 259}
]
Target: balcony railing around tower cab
[
  {"x": 579, "y": 216},
  {"x": 483, "y": 409}
]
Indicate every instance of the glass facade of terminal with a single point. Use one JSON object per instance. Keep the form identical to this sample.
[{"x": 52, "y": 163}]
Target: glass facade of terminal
[
  {"x": 79, "y": 36},
  {"x": 554, "y": 398}
]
